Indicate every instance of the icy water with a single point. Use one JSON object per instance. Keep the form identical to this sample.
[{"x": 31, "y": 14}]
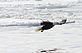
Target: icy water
[{"x": 24, "y": 39}]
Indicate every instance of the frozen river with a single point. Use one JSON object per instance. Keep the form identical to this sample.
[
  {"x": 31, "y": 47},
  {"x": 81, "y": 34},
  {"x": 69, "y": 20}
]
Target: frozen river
[{"x": 23, "y": 39}]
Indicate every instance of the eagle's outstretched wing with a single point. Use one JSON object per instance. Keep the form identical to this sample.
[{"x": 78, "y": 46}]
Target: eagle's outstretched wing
[{"x": 64, "y": 21}]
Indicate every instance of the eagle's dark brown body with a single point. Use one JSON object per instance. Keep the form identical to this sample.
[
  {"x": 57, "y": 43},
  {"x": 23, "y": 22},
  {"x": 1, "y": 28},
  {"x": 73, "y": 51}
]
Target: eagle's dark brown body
[{"x": 48, "y": 25}]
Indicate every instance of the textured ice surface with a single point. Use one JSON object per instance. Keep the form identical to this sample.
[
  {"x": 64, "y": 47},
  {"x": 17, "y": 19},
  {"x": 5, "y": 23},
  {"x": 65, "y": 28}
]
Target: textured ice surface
[{"x": 23, "y": 39}]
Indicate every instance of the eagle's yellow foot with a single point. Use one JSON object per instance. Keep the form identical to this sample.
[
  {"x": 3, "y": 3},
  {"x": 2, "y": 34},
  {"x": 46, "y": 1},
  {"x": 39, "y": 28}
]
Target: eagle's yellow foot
[
  {"x": 42, "y": 30},
  {"x": 39, "y": 30}
]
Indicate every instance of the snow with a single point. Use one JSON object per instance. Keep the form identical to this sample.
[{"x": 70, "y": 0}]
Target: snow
[
  {"x": 19, "y": 22},
  {"x": 24, "y": 39}
]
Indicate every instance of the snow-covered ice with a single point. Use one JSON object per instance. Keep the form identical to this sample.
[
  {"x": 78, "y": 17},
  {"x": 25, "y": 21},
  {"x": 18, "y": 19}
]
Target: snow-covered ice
[{"x": 24, "y": 39}]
